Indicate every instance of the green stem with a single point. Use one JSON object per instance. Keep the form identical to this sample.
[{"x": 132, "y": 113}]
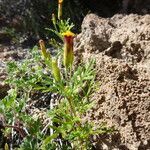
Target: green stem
[{"x": 72, "y": 107}]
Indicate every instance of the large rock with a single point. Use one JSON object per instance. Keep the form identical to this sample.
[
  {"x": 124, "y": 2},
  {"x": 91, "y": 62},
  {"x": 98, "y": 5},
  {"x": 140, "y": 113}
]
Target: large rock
[{"x": 121, "y": 47}]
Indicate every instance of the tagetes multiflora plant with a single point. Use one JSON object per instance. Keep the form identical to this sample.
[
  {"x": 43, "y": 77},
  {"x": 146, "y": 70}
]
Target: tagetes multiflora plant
[
  {"x": 73, "y": 94},
  {"x": 50, "y": 73}
]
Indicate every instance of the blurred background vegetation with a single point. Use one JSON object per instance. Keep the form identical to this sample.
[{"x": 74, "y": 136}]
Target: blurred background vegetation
[{"x": 25, "y": 21}]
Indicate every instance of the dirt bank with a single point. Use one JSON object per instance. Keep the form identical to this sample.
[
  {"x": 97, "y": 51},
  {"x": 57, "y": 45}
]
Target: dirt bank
[{"x": 121, "y": 47}]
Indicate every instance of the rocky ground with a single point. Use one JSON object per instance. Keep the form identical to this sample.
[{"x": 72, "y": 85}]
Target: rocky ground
[{"x": 121, "y": 47}]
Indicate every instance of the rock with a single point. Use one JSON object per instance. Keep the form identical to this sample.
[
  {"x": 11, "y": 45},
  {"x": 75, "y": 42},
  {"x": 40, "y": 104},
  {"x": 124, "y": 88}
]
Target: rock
[
  {"x": 122, "y": 36},
  {"x": 122, "y": 52}
]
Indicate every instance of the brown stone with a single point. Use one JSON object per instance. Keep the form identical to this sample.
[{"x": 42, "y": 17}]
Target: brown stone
[{"x": 122, "y": 52}]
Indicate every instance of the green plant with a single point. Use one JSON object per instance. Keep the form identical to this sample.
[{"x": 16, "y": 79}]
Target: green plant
[
  {"x": 66, "y": 127},
  {"x": 11, "y": 34}
]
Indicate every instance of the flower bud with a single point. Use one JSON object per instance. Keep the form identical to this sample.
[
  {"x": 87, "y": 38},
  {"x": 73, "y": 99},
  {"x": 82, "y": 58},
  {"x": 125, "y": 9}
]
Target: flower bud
[
  {"x": 43, "y": 49},
  {"x": 60, "y": 9},
  {"x": 6, "y": 147},
  {"x": 68, "y": 49},
  {"x": 56, "y": 70},
  {"x": 45, "y": 54},
  {"x": 53, "y": 19},
  {"x": 60, "y": 1}
]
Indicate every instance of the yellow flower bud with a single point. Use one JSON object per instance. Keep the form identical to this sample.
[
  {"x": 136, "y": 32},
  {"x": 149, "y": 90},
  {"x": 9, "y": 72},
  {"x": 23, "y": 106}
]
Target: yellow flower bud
[
  {"x": 56, "y": 70},
  {"x": 45, "y": 54},
  {"x": 60, "y": 9},
  {"x": 43, "y": 49},
  {"x": 68, "y": 49},
  {"x": 60, "y": 1}
]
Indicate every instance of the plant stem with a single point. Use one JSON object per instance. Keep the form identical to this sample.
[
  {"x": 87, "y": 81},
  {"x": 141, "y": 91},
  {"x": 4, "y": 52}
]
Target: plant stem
[
  {"x": 51, "y": 123},
  {"x": 12, "y": 134},
  {"x": 72, "y": 107}
]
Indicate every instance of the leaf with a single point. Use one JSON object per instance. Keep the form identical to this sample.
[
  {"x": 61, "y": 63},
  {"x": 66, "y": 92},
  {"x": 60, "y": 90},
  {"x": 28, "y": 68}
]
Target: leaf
[{"x": 48, "y": 139}]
